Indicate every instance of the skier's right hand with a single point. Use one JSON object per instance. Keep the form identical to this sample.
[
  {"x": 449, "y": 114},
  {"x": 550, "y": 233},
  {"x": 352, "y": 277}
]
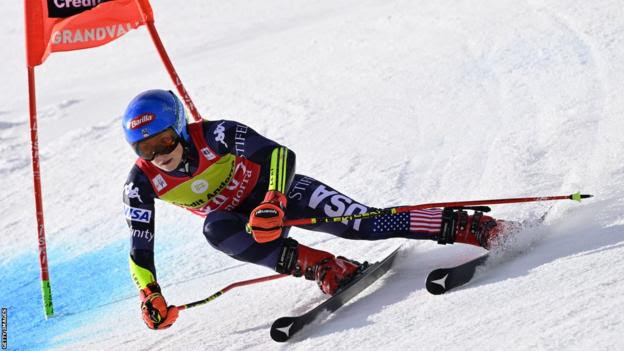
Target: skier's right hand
[
  {"x": 154, "y": 308},
  {"x": 266, "y": 220}
]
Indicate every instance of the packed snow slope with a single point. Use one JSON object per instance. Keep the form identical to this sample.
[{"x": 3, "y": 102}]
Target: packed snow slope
[{"x": 391, "y": 101}]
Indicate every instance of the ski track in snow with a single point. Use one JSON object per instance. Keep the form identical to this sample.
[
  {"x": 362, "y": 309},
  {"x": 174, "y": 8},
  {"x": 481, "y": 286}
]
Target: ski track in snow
[{"x": 392, "y": 102}]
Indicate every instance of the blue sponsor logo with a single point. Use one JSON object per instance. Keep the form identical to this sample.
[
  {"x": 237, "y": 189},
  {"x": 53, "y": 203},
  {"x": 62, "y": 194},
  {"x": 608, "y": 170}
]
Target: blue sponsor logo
[{"x": 137, "y": 214}]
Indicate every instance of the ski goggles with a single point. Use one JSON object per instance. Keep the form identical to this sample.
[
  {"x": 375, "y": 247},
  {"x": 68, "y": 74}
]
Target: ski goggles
[{"x": 160, "y": 144}]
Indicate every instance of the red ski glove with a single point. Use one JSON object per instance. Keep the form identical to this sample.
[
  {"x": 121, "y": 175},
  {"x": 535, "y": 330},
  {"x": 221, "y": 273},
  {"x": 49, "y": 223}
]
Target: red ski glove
[
  {"x": 156, "y": 314},
  {"x": 267, "y": 219}
]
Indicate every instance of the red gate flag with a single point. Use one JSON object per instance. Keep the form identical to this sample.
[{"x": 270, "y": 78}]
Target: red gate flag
[{"x": 63, "y": 25}]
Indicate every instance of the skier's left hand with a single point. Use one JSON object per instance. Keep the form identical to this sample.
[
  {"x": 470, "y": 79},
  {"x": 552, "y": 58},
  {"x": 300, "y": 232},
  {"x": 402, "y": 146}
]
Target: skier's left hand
[{"x": 267, "y": 219}]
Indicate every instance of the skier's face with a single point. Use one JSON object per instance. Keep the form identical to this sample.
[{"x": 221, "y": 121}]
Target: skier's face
[{"x": 169, "y": 162}]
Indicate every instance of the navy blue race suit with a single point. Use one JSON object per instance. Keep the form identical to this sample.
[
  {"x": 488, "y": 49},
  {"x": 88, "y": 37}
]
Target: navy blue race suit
[{"x": 225, "y": 228}]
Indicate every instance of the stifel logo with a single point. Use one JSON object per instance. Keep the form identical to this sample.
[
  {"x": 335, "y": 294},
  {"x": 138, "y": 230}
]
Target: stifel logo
[{"x": 141, "y": 120}]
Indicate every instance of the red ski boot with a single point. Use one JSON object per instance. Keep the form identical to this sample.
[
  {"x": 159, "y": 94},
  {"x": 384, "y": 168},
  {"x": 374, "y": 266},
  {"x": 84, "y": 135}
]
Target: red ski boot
[
  {"x": 478, "y": 229},
  {"x": 328, "y": 271}
]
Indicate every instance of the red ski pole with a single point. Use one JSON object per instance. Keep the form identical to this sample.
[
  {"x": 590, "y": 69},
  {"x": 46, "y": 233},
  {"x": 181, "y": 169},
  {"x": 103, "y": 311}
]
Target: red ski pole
[
  {"x": 394, "y": 210},
  {"x": 230, "y": 287}
]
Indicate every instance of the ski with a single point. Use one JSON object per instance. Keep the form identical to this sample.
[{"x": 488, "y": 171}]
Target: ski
[
  {"x": 442, "y": 280},
  {"x": 285, "y": 327}
]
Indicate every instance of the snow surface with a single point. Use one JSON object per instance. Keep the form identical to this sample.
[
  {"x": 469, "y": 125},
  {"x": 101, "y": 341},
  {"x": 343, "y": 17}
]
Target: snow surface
[{"x": 391, "y": 101}]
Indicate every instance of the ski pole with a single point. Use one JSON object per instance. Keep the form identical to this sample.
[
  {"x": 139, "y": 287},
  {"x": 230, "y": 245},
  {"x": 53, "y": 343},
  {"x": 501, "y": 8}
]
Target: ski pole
[
  {"x": 376, "y": 213},
  {"x": 230, "y": 287},
  {"x": 399, "y": 209}
]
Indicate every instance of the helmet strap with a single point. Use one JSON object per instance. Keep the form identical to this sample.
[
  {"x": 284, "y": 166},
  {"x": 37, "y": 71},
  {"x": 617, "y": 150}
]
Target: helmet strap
[{"x": 185, "y": 161}]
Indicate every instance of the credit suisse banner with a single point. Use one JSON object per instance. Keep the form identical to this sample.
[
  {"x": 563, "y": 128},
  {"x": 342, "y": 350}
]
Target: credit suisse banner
[{"x": 64, "y": 25}]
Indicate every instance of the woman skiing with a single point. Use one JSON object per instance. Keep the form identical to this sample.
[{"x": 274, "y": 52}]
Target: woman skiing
[{"x": 245, "y": 185}]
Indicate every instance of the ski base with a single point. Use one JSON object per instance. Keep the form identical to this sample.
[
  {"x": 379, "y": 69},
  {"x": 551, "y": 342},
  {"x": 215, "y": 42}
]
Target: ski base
[
  {"x": 442, "y": 280},
  {"x": 285, "y": 327}
]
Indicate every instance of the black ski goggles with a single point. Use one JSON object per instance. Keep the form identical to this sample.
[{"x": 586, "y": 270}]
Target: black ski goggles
[{"x": 160, "y": 144}]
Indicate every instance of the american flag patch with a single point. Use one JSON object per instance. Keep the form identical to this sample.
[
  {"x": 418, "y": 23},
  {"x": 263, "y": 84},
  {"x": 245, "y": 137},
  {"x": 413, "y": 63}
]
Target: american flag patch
[
  {"x": 392, "y": 223},
  {"x": 420, "y": 221},
  {"x": 425, "y": 220}
]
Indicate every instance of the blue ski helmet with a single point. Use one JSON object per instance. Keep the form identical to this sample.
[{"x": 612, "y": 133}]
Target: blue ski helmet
[{"x": 151, "y": 112}]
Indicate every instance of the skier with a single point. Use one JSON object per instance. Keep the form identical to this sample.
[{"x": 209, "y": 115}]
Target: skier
[{"x": 245, "y": 185}]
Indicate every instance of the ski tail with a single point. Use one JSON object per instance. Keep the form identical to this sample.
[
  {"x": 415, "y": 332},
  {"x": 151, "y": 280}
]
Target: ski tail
[
  {"x": 441, "y": 280},
  {"x": 285, "y": 327}
]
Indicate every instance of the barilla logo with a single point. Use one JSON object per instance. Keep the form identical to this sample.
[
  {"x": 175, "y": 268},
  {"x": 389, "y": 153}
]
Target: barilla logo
[{"x": 141, "y": 120}]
